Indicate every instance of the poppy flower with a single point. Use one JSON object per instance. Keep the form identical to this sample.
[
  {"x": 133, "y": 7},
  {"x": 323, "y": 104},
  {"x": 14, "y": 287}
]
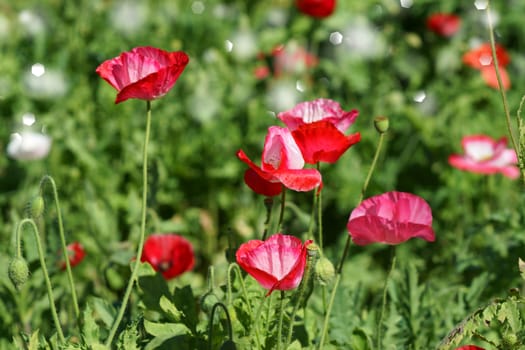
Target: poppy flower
[
  {"x": 76, "y": 254},
  {"x": 282, "y": 162},
  {"x": 391, "y": 218},
  {"x": 170, "y": 254},
  {"x": 145, "y": 73},
  {"x": 285, "y": 59},
  {"x": 316, "y": 8},
  {"x": 277, "y": 263},
  {"x": 444, "y": 24},
  {"x": 469, "y": 347},
  {"x": 260, "y": 185},
  {"x": 317, "y": 127},
  {"x": 484, "y": 155},
  {"x": 480, "y": 58}
]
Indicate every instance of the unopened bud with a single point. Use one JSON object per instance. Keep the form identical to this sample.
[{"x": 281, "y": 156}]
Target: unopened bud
[
  {"x": 37, "y": 207},
  {"x": 18, "y": 271},
  {"x": 381, "y": 124},
  {"x": 324, "y": 271}
]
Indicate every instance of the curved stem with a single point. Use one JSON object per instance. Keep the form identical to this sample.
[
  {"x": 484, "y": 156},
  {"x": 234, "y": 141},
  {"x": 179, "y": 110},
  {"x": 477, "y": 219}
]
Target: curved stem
[
  {"x": 379, "y": 329},
  {"x": 41, "y": 255},
  {"x": 498, "y": 76},
  {"x": 347, "y": 244},
  {"x": 50, "y": 180},
  {"x": 230, "y": 332},
  {"x": 135, "y": 270}
]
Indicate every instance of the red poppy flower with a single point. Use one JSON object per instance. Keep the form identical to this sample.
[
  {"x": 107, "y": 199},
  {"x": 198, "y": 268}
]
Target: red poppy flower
[
  {"x": 321, "y": 141},
  {"x": 391, "y": 218},
  {"x": 170, "y": 254},
  {"x": 277, "y": 263},
  {"x": 484, "y": 155},
  {"x": 145, "y": 73},
  {"x": 481, "y": 58},
  {"x": 444, "y": 24},
  {"x": 316, "y": 8},
  {"x": 282, "y": 162},
  {"x": 260, "y": 185},
  {"x": 319, "y": 109},
  {"x": 469, "y": 347},
  {"x": 76, "y": 254}
]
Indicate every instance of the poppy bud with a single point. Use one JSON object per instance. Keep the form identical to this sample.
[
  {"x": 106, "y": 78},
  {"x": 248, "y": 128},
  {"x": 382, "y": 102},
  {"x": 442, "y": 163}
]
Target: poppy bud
[
  {"x": 324, "y": 271},
  {"x": 37, "y": 207},
  {"x": 381, "y": 124},
  {"x": 18, "y": 271},
  {"x": 208, "y": 300}
]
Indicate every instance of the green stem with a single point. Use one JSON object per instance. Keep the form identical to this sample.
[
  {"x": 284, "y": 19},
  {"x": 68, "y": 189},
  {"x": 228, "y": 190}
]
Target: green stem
[
  {"x": 498, "y": 76},
  {"x": 256, "y": 321},
  {"x": 379, "y": 329},
  {"x": 228, "y": 319},
  {"x": 135, "y": 270},
  {"x": 281, "y": 214},
  {"x": 268, "y": 204},
  {"x": 347, "y": 244},
  {"x": 281, "y": 316},
  {"x": 44, "y": 270},
  {"x": 50, "y": 180},
  {"x": 320, "y": 214}
]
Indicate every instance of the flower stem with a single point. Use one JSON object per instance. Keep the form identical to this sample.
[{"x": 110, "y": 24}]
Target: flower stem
[
  {"x": 498, "y": 76},
  {"x": 281, "y": 316},
  {"x": 268, "y": 204},
  {"x": 41, "y": 255},
  {"x": 135, "y": 270},
  {"x": 320, "y": 214},
  {"x": 347, "y": 244},
  {"x": 50, "y": 180},
  {"x": 210, "y": 333},
  {"x": 379, "y": 329},
  {"x": 281, "y": 214}
]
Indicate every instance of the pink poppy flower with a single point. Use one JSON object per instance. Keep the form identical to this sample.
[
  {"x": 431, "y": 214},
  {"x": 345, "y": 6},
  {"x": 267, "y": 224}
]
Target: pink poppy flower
[
  {"x": 170, "y": 254},
  {"x": 145, "y": 73},
  {"x": 282, "y": 162},
  {"x": 391, "y": 218},
  {"x": 469, "y": 347},
  {"x": 444, "y": 24},
  {"x": 484, "y": 155},
  {"x": 76, "y": 254},
  {"x": 316, "y": 8},
  {"x": 277, "y": 263},
  {"x": 311, "y": 129},
  {"x": 480, "y": 58},
  {"x": 292, "y": 58}
]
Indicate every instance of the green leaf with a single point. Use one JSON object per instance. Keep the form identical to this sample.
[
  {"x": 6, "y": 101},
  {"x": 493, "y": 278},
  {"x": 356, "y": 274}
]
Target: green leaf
[
  {"x": 295, "y": 345},
  {"x": 129, "y": 337},
  {"x": 33, "y": 342},
  {"x": 170, "y": 309},
  {"x": 104, "y": 311},
  {"x": 90, "y": 329},
  {"x": 165, "y": 329}
]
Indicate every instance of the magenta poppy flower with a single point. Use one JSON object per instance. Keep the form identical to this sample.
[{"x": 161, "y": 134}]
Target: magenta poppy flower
[
  {"x": 282, "y": 162},
  {"x": 444, "y": 24},
  {"x": 170, "y": 254},
  {"x": 316, "y": 110},
  {"x": 145, "y": 73},
  {"x": 316, "y": 8},
  {"x": 484, "y": 155},
  {"x": 277, "y": 263},
  {"x": 391, "y": 218},
  {"x": 76, "y": 254}
]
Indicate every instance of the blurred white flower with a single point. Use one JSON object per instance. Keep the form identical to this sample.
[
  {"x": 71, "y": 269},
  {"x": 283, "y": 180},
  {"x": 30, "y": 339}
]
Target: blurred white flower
[
  {"x": 282, "y": 95},
  {"x": 28, "y": 145},
  {"x": 492, "y": 14},
  {"x": 362, "y": 40},
  {"x": 277, "y": 17},
  {"x": 244, "y": 45},
  {"x": 40, "y": 82},
  {"x": 128, "y": 17},
  {"x": 32, "y": 22}
]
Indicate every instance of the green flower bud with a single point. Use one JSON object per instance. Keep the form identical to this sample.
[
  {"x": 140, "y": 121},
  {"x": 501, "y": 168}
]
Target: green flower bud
[
  {"x": 208, "y": 300},
  {"x": 37, "y": 207},
  {"x": 381, "y": 124},
  {"x": 18, "y": 271},
  {"x": 324, "y": 271}
]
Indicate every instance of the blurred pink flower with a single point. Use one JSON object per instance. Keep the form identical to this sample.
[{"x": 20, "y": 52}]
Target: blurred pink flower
[
  {"x": 282, "y": 162},
  {"x": 391, "y": 218},
  {"x": 170, "y": 254},
  {"x": 444, "y": 24},
  {"x": 145, "y": 73},
  {"x": 285, "y": 59},
  {"x": 277, "y": 263},
  {"x": 317, "y": 127},
  {"x": 484, "y": 155}
]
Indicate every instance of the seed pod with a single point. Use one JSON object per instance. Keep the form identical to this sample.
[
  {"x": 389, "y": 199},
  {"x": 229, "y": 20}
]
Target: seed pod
[
  {"x": 37, "y": 207},
  {"x": 324, "y": 271},
  {"x": 18, "y": 272},
  {"x": 381, "y": 124}
]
